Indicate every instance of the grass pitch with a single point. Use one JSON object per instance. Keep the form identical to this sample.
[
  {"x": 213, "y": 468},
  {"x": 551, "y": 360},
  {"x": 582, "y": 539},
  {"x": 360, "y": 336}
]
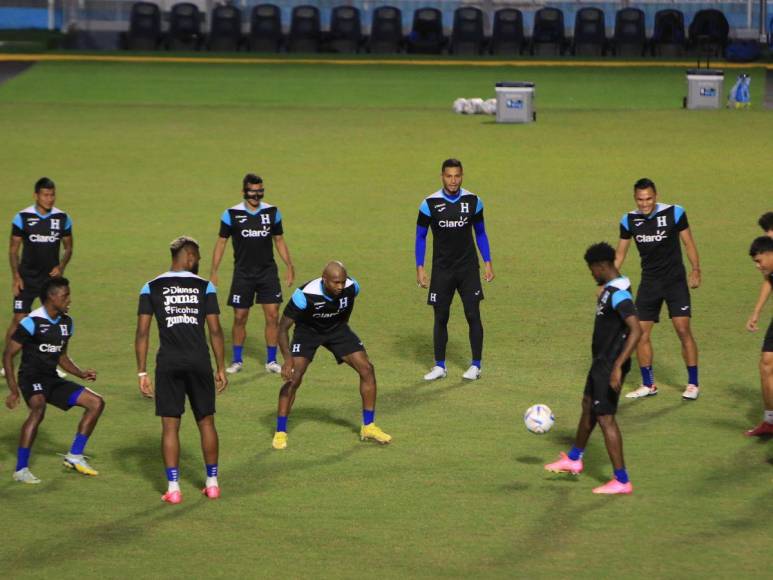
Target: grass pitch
[{"x": 144, "y": 152}]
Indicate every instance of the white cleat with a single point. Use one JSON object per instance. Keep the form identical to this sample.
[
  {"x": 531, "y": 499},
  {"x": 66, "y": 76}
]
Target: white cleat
[
  {"x": 691, "y": 393},
  {"x": 273, "y": 367},
  {"x": 2, "y": 372},
  {"x": 61, "y": 373},
  {"x": 436, "y": 373},
  {"x": 472, "y": 373},
  {"x": 643, "y": 391},
  {"x": 25, "y": 476},
  {"x": 234, "y": 368}
]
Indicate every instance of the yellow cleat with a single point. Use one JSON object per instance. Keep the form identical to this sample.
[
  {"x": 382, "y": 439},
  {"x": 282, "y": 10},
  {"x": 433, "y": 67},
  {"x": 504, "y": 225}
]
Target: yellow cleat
[
  {"x": 79, "y": 464},
  {"x": 280, "y": 440},
  {"x": 371, "y": 431}
]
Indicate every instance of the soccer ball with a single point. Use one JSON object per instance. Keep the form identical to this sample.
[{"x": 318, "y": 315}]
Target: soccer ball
[{"x": 538, "y": 418}]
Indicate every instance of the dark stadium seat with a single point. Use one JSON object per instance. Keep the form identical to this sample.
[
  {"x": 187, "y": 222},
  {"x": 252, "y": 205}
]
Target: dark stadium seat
[
  {"x": 305, "y": 33},
  {"x": 467, "y": 36},
  {"x": 668, "y": 38},
  {"x": 630, "y": 37},
  {"x": 184, "y": 27},
  {"x": 226, "y": 31},
  {"x": 548, "y": 36},
  {"x": 144, "y": 27},
  {"x": 709, "y": 32},
  {"x": 265, "y": 28},
  {"x": 426, "y": 36},
  {"x": 345, "y": 30},
  {"x": 386, "y": 31},
  {"x": 590, "y": 35},
  {"x": 507, "y": 34}
]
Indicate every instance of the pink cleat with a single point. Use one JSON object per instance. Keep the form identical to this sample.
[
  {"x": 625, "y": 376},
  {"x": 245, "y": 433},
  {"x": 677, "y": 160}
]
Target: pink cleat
[
  {"x": 172, "y": 497},
  {"x": 763, "y": 428},
  {"x": 613, "y": 487},
  {"x": 565, "y": 465},
  {"x": 212, "y": 492}
]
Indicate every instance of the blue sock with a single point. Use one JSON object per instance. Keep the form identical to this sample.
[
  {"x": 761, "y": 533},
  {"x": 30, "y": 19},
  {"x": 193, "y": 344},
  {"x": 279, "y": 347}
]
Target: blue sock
[
  {"x": 172, "y": 474},
  {"x": 212, "y": 470},
  {"x": 23, "y": 458},
  {"x": 238, "y": 353},
  {"x": 78, "y": 444},
  {"x": 281, "y": 424},
  {"x": 440, "y": 363},
  {"x": 476, "y": 363},
  {"x": 575, "y": 453},
  {"x": 368, "y": 416},
  {"x": 270, "y": 354},
  {"x": 621, "y": 475},
  {"x": 692, "y": 375},
  {"x": 647, "y": 376}
]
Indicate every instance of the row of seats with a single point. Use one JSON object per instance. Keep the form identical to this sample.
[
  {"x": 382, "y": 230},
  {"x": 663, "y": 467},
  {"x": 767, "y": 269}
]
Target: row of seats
[{"x": 708, "y": 31}]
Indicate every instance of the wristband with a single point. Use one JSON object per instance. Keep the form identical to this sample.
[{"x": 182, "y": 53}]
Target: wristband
[{"x": 142, "y": 374}]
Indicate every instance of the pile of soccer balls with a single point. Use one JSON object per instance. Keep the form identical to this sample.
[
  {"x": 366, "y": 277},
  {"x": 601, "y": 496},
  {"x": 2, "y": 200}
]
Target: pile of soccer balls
[
  {"x": 475, "y": 106},
  {"x": 538, "y": 418}
]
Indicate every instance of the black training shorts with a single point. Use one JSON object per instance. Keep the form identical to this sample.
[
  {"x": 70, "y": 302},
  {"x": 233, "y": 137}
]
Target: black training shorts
[
  {"x": 767, "y": 345},
  {"x": 444, "y": 283},
  {"x": 172, "y": 385},
  {"x": 56, "y": 391},
  {"x": 22, "y": 302},
  {"x": 263, "y": 288},
  {"x": 603, "y": 398},
  {"x": 652, "y": 294},
  {"x": 340, "y": 342}
]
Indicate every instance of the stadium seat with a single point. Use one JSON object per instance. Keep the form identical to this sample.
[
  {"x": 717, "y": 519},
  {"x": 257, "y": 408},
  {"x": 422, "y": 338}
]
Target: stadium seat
[
  {"x": 386, "y": 31},
  {"x": 708, "y": 32},
  {"x": 265, "y": 28},
  {"x": 467, "y": 36},
  {"x": 184, "y": 27},
  {"x": 305, "y": 33},
  {"x": 426, "y": 36},
  {"x": 668, "y": 38},
  {"x": 548, "y": 36},
  {"x": 345, "y": 30},
  {"x": 590, "y": 35},
  {"x": 507, "y": 34},
  {"x": 144, "y": 27},
  {"x": 226, "y": 31},
  {"x": 630, "y": 37}
]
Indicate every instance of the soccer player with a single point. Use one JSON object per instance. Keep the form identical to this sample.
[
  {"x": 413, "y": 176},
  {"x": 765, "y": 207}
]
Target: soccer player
[
  {"x": 453, "y": 213},
  {"x": 657, "y": 229},
  {"x": 766, "y": 223},
  {"x": 43, "y": 337},
  {"x": 252, "y": 226},
  {"x": 761, "y": 252},
  {"x": 182, "y": 303},
  {"x": 320, "y": 310},
  {"x": 39, "y": 231},
  {"x": 615, "y": 334}
]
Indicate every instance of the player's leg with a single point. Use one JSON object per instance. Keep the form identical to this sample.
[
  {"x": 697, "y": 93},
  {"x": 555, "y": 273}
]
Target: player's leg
[
  {"x": 604, "y": 406},
  {"x": 29, "y": 430},
  {"x": 238, "y": 337},
  {"x": 271, "y": 315},
  {"x": 440, "y": 296},
  {"x": 471, "y": 293},
  {"x": 201, "y": 392},
  {"x": 170, "y": 450},
  {"x": 649, "y": 301},
  {"x": 287, "y": 398},
  {"x": 93, "y": 406},
  {"x": 766, "y": 383},
  {"x": 210, "y": 446},
  {"x": 677, "y": 297},
  {"x": 571, "y": 462},
  {"x": 360, "y": 362}
]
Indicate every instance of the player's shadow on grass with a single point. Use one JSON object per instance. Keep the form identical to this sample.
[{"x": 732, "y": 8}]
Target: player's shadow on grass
[
  {"x": 305, "y": 413},
  {"x": 144, "y": 458},
  {"x": 420, "y": 348},
  {"x": 44, "y": 445}
]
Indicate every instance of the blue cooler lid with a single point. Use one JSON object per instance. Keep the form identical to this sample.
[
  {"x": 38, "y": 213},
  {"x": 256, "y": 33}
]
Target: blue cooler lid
[
  {"x": 515, "y": 85},
  {"x": 705, "y": 72}
]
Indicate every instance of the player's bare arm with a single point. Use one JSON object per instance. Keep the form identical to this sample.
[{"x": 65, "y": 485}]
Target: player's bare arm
[
  {"x": 11, "y": 350},
  {"x": 765, "y": 291},
  {"x": 285, "y": 324},
  {"x": 17, "y": 284},
  {"x": 621, "y": 251},
  {"x": 634, "y": 334},
  {"x": 421, "y": 277},
  {"x": 141, "y": 341},
  {"x": 58, "y": 270},
  {"x": 284, "y": 253},
  {"x": 69, "y": 365},
  {"x": 694, "y": 278},
  {"x": 217, "y": 342},
  {"x": 217, "y": 257},
  {"x": 488, "y": 273}
]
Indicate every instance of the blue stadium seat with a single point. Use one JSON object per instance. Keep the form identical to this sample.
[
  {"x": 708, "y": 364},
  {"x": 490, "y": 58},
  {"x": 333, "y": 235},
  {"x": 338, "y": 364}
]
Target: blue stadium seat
[
  {"x": 144, "y": 27},
  {"x": 630, "y": 38},
  {"x": 226, "y": 31},
  {"x": 345, "y": 30},
  {"x": 467, "y": 36},
  {"x": 426, "y": 36},
  {"x": 548, "y": 36},
  {"x": 590, "y": 34},
  {"x": 184, "y": 27},
  {"x": 305, "y": 33},
  {"x": 507, "y": 34},
  {"x": 386, "y": 31},
  {"x": 265, "y": 28}
]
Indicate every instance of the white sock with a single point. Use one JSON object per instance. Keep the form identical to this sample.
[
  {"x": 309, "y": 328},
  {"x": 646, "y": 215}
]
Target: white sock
[
  {"x": 173, "y": 486},
  {"x": 769, "y": 416},
  {"x": 211, "y": 482}
]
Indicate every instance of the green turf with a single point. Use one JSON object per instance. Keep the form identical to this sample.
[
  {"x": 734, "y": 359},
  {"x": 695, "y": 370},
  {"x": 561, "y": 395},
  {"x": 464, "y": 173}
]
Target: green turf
[{"x": 142, "y": 153}]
